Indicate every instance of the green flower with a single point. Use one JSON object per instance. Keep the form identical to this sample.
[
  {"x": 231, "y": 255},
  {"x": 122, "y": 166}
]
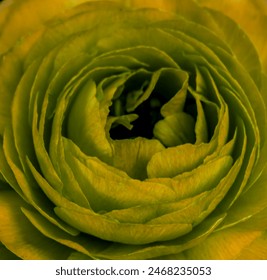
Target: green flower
[{"x": 131, "y": 130}]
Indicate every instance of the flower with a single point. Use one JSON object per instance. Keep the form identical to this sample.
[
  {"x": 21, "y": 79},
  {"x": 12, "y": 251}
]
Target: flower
[{"x": 131, "y": 130}]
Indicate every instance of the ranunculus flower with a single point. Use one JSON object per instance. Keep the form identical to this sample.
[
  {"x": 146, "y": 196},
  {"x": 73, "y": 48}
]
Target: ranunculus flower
[{"x": 133, "y": 129}]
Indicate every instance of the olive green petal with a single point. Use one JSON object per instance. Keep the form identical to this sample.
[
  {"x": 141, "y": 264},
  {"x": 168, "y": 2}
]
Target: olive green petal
[
  {"x": 10, "y": 73},
  {"x": 187, "y": 8},
  {"x": 7, "y": 174},
  {"x": 86, "y": 28},
  {"x": 249, "y": 203},
  {"x": 175, "y": 160},
  {"x": 74, "y": 86},
  {"x": 257, "y": 250},
  {"x": 84, "y": 244},
  {"x": 240, "y": 44},
  {"x": 132, "y": 155},
  {"x": 62, "y": 75},
  {"x": 20, "y": 237},
  {"x": 85, "y": 125},
  {"x": 176, "y": 129},
  {"x": 160, "y": 4},
  {"x": 188, "y": 207},
  {"x": 160, "y": 249},
  {"x": 124, "y": 120},
  {"x": 201, "y": 179},
  {"x": 20, "y": 110},
  {"x": 251, "y": 16},
  {"x": 71, "y": 188},
  {"x": 257, "y": 221},
  {"x": 264, "y": 87},
  {"x": 15, "y": 14},
  {"x": 155, "y": 213},
  {"x": 43, "y": 157},
  {"x": 201, "y": 126},
  {"x": 248, "y": 93},
  {"x": 233, "y": 243},
  {"x": 153, "y": 58},
  {"x": 28, "y": 186},
  {"x": 107, "y": 187},
  {"x": 108, "y": 229},
  {"x": 176, "y": 80},
  {"x": 5, "y": 254}
]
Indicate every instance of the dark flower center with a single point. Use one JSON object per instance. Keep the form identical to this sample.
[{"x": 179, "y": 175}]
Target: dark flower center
[{"x": 149, "y": 115}]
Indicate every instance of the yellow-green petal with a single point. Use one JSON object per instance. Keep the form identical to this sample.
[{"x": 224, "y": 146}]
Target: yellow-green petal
[{"x": 20, "y": 237}]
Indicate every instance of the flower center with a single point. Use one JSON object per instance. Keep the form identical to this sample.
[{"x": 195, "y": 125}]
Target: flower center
[
  {"x": 155, "y": 117},
  {"x": 148, "y": 115}
]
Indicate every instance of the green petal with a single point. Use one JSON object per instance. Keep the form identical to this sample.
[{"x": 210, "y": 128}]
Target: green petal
[
  {"x": 175, "y": 160},
  {"x": 71, "y": 189},
  {"x": 180, "y": 82},
  {"x": 109, "y": 188},
  {"x": 249, "y": 203},
  {"x": 203, "y": 178},
  {"x": 124, "y": 120},
  {"x": 109, "y": 229},
  {"x": 29, "y": 188},
  {"x": 85, "y": 244},
  {"x": 175, "y": 129},
  {"x": 232, "y": 243},
  {"x": 20, "y": 237},
  {"x": 10, "y": 72},
  {"x": 132, "y": 155},
  {"x": 257, "y": 221},
  {"x": 15, "y": 14},
  {"x": 257, "y": 250},
  {"x": 135, "y": 98},
  {"x": 151, "y": 57},
  {"x": 251, "y": 16},
  {"x": 85, "y": 125},
  {"x": 240, "y": 45},
  {"x": 7, "y": 173},
  {"x": 158, "y": 250},
  {"x": 5, "y": 254}
]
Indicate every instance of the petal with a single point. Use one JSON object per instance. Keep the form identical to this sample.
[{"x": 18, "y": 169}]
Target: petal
[
  {"x": 84, "y": 244},
  {"x": 175, "y": 160},
  {"x": 85, "y": 125},
  {"x": 160, "y": 249},
  {"x": 175, "y": 129},
  {"x": 251, "y": 15},
  {"x": 229, "y": 244},
  {"x": 18, "y": 234},
  {"x": 110, "y": 229},
  {"x": 19, "y": 19},
  {"x": 132, "y": 155},
  {"x": 249, "y": 203},
  {"x": 109, "y": 188},
  {"x": 257, "y": 250},
  {"x": 5, "y": 254}
]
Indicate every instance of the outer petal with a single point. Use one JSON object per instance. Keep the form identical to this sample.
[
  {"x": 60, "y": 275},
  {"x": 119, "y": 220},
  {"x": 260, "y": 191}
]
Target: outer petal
[
  {"x": 5, "y": 254},
  {"x": 257, "y": 250},
  {"x": 20, "y": 237},
  {"x": 18, "y": 18},
  {"x": 252, "y": 17},
  {"x": 233, "y": 243}
]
